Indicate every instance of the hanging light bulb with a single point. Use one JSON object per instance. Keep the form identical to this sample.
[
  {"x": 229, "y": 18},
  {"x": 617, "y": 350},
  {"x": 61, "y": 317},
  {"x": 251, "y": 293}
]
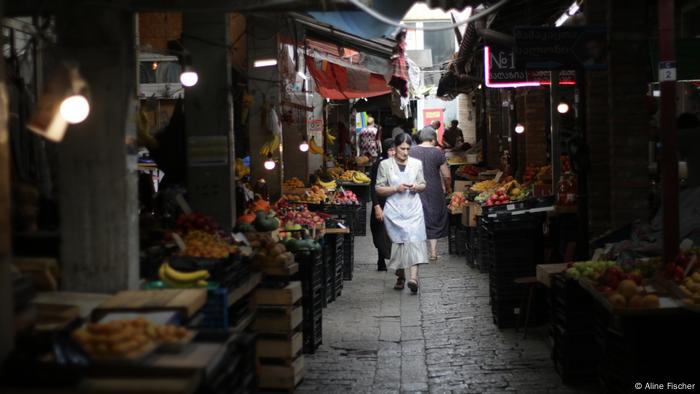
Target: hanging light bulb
[
  {"x": 563, "y": 108},
  {"x": 304, "y": 146},
  {"x": 74, "y": 109},
  {"x": 519, "y": 128},
  {"x": 269, "y": 163},
  {"x": 189, "y": 77}
]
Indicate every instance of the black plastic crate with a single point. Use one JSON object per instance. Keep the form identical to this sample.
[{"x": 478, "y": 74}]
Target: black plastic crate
[
  {"x": 313, "y": 334},
  {"x": 360, "y": 227},
  {"x": 348, "y": 256},
  {"x": 216, "y": 310}
]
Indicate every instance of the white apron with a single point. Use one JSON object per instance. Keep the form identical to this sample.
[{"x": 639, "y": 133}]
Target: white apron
[{"x": 403, "y": 218}]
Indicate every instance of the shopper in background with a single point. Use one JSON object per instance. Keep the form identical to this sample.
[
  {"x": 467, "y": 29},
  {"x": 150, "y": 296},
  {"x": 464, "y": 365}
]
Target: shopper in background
[
  {"x": 376, "y": 223},
  {"x": 453, "y": 140},
  {"x": 370, "y": 140},
  {"x": 399, "y": 180},
  {"x": 436, "y": 174}
]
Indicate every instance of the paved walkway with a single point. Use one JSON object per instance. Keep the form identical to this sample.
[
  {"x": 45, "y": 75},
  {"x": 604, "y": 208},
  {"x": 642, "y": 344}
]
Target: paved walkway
[{"x": 379, "y": 340}]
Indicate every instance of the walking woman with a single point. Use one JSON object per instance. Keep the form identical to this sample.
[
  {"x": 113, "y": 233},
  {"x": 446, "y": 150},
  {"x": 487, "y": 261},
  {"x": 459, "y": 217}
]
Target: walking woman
[
  {"x": 438, "y": 180},
  {"x": 400, "y": 179},
  {"x": 376, "y": 221}
]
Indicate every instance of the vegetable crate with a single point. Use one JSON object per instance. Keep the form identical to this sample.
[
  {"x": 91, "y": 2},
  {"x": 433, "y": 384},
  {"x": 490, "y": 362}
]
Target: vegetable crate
[
  {"x": 349, "y": 214},
  {"x": 348, "y": 246},
  {"x": 329, "y": 270},
  {"x": 311, "y": 271},
  {"x": 215, "y": 313},
  {"x": 313, "y": 326},
  {"x": 360, "y": 227}
]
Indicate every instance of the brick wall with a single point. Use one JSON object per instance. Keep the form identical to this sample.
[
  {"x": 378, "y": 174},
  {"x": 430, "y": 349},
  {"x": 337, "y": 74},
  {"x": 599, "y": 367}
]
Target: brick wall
[{"x": 157, "y": 28}]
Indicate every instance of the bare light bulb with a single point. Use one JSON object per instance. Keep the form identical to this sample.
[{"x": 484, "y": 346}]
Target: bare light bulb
[
  {"x": 74, "y": 109},
  {"x": 189, "y": 78},
  {"x": 269, "y": 163},
  {"x": 563, "y": 108},
  {"x": 519, "y": 128},
  {"x": 304, "y": 146}
]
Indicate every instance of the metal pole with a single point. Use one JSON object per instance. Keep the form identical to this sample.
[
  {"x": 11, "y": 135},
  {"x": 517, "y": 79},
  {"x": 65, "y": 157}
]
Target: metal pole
[
  {"x": 582, "y": 186},
  {"x": 515, "y": 137},
  {"x": 667, "y": 81},
  {"x": 554, "y": 130}
]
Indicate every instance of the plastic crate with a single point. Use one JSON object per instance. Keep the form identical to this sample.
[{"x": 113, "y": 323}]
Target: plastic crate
[
  {"x": 348, "y": 256},
  {"x": 313, "y": 335},
  {"x": 360, "y": 227}
]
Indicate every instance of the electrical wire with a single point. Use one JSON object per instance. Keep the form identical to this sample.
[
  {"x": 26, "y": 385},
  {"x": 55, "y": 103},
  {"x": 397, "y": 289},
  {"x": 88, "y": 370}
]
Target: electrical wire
[{"x": 389, "y": 21}]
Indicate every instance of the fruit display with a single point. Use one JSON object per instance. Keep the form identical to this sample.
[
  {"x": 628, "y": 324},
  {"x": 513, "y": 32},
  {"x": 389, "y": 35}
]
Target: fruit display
[
  {"x": 271, "y": 146},
  {"x": 467, "y": 171},
  {"x": 345, "y": 197},
  {"x": 691, "y": 289},
  {"x": 499, "y": 197},
  {"x": 313, "y": 195},
  {"x": 353, "y": 176},
  {"x": 259, "y": 204},
  {"x": 294, "y": 219},
  {"x": 293, "y": 183},
  {"x": 484, "y": 186},
  {"x": 266, "y": 221},
  {"x": 175, "y": 279},
  {"x": 588, "y": 269},
  {"x": 454, "y": 160},
  {"x": 676, "y": 270},
  {"x": 335, "y": 172},
  {"x": 327, "y": 185},
  {"x": 122, "y": 339},
  {"x": 195, "y": 221},
  {"x": 267, "y": 251},
  {"x": 207, "y": 245},
  {"x": 457, "y": 201},
  {"x": 362, "y": 160},
  {"x": 628, "y": 295}
]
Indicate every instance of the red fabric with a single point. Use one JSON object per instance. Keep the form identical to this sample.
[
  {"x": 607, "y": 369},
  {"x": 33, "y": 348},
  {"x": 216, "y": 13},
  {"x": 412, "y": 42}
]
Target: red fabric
[{"x": 336, "y": 82}]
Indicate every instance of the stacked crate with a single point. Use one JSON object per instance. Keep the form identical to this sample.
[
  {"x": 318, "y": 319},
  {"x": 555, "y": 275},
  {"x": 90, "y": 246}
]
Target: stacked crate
[
  {"x": 514, "y": 245},
  {"x": 235, "y": 371},
  {"x": 575, "y": 352},
  {"x": 278, "y": 323},
  {"x": 348, "y": 252},
  {"x": 329, "y": 270},
  {"x": 360, "y": 227},
  {"x": 311, "y": 275}
]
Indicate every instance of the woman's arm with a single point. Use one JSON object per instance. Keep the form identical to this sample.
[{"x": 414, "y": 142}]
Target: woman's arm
[
  {"x": 373, "y": 184},
  {"x": 446, "y": 177},
  {"x": 382, "y": 186},
  {"x": 419, "y": 185}
]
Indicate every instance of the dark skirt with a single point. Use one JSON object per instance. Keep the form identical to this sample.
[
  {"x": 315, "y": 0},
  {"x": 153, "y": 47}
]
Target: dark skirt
[{"x": 380, "y": 237}]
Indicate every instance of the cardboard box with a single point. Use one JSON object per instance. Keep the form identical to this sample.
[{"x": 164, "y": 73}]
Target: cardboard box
[
  {"x": 545, "y": 270},
  {"x": 469, "y": 214}
]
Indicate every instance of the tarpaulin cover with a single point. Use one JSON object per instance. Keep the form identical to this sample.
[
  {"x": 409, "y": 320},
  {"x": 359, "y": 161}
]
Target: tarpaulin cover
[{"x": 340, "y": 82}]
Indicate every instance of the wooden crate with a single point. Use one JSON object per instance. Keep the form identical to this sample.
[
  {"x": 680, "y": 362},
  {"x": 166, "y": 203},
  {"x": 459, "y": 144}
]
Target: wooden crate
[
  {"x": 281, "y": 376},
  {"x": 277, "y": 319},
  {"x": 288, "y": 295},
  {"x": 280, "y": 348}
]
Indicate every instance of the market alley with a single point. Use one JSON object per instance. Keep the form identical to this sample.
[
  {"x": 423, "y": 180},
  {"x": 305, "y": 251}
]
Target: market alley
[{"x": 376, "y": 339}]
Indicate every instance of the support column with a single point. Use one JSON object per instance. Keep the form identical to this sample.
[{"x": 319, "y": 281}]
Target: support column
[
  {"x": 209, "y": 117},
  {"x": 668, "y": 131},
  {"x": 97, "y": 161},
  {"x": 6, "y": 303},
  {"x": 554, "y": 131}
]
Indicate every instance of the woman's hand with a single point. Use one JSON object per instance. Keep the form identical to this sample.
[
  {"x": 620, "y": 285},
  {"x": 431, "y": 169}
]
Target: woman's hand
[
  {"x": 401, "y": 188},
  {"x": 378, "y": 213}
]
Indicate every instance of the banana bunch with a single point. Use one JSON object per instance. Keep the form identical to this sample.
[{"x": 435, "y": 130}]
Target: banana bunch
[
  {"x": 241, "y": 169},
  {"x": 335, "y": 172},
  {"x": 271, "y": 146},
  {"x": 313, "y": 148},
  {"x": 182, "y": 280},
  {"x": 328, "y": 185},
  {"x": 360, "y": 177},
  {"x": 329, "y": 137}
]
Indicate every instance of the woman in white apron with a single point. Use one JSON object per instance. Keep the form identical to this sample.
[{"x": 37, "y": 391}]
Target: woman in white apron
[{"x": 400, "y": 179}]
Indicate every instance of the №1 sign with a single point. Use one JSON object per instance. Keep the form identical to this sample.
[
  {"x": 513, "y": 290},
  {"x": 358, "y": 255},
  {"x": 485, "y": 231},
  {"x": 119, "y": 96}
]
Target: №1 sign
[
  {"x": 550, "y": 48},
  {"x": 502, "y": 71}
]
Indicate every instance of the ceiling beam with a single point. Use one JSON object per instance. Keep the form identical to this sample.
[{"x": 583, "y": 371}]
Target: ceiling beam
[{"x": 34, "y": 7}]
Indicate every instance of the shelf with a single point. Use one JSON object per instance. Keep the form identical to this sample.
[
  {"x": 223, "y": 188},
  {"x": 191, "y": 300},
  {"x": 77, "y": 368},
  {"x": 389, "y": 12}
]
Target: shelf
[{"x": 244, "y": 289}]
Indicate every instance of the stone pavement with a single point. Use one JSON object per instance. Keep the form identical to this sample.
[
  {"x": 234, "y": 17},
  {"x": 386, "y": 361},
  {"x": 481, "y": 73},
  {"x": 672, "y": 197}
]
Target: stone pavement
[{"x": 379, "y": 340}]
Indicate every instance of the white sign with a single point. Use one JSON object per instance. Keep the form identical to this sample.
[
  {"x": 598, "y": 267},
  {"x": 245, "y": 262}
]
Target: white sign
[{"x": 667, "y": 71}]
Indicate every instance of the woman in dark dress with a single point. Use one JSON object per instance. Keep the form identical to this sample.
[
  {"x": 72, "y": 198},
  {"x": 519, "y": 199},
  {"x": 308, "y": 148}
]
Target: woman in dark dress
[
  {"x": 436, "y": 172},
  {"x": 376, "y": 224}
]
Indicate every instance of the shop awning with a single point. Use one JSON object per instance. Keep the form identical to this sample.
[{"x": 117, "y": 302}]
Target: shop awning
[{"x": 344, "y": 81}]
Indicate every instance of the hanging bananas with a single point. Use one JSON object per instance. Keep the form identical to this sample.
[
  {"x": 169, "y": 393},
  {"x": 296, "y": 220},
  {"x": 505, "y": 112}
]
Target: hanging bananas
[
  {"x": 313, "y": 148},
  {"x": 272, "y": 146},
  {"x": 329, "y": 137}
]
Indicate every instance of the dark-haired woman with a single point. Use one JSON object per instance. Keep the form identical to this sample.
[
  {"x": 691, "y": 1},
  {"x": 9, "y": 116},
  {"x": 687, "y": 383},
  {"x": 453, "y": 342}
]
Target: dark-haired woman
[
  {"x": 400, "y": 179},
  {"x": 376, "y": 221}
]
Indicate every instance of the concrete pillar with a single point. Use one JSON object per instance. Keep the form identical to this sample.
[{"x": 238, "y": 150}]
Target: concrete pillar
[
  {"x": 629, "y": 120},
  {"x": 97, "y": 161},
  {"x": 263, "y": 84},
  {"x": 466, "y": 115},
  {"x": 597, "y": 133},
  {"x": 209, "y": 117},
  {"x": 6, "y": 303}
]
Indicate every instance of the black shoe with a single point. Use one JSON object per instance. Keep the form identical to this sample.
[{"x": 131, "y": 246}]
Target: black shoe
[{"x": 413, "y": 285}]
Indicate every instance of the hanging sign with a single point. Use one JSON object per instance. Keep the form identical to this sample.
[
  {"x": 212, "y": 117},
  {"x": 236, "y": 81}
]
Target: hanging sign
[
  {"x": 667, "y": 71},
  {"x": 556, "y": 48},
  {"x": 433, "y": 114},
  {"x": 501, "y": 71}
]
